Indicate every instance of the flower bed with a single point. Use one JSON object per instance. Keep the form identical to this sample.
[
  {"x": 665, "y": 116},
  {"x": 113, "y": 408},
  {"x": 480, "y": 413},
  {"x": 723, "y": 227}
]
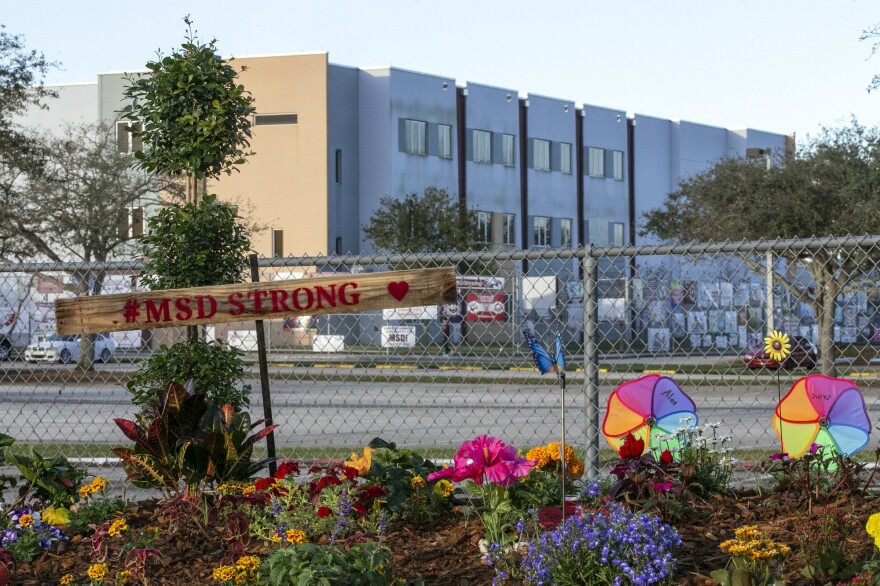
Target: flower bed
[{"x": 390, "y": 516}]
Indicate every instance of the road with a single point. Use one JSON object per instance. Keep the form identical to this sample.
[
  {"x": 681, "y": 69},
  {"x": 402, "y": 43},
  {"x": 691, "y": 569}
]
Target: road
[{"x": 336, "y": 416}]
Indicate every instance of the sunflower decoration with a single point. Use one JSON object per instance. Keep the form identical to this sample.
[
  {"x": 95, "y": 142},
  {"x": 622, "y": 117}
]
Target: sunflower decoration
[{"x": 777, "y": 346}]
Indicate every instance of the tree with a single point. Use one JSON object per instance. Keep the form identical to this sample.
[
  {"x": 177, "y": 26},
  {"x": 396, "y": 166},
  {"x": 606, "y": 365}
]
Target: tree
[
  {"x": 831, "y": 187},
  {"x": 193, "y": 116},
  {"x": 431, "y": 222},
  {"x": 70, "y": 207},
  {"x": 21, "y": 78}
]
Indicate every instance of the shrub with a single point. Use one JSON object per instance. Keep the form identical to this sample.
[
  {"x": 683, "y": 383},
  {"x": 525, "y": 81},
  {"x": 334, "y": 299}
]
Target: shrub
[
  {"x": 214, "y": 370},
  {"x": 363, "y": 564},
  {"x": 607, "y": 547}
]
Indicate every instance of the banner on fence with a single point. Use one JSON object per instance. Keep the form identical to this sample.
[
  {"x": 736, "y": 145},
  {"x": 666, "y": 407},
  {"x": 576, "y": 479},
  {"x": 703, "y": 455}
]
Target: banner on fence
[
  {"x": 485, "y": 307},
  {"x": 398, "y": 336},
  {"x": 264, "y": 300}
]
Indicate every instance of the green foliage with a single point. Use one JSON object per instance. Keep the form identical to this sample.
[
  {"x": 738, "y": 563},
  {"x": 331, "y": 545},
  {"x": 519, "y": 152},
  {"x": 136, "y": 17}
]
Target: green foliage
[
  {"x": 193, "y": 116},
  {"x": 54, "y": 481},
  {"x": 818, "y": 476},
  {"x": 539, "y": 488},
  {"x": 95, "y": 511},
  {"x": 180, "y": 438},
  {"x": 705, "y": 462},
  {"x": 305, "y": 564},
  {"x": 21, "y": 87},
  {"x": 394, "y": 468},
  {"x": 214, "y": 370},
  {"x": 26, "y": 547},
  {"x": 195, "y": 245},
  {"x": 5, "y": 481},
  {"x": 431, "y": 222}
]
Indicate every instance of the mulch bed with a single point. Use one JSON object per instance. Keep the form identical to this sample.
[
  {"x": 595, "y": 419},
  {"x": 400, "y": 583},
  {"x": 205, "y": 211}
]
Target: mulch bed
[{"x": 445, "y": 551}]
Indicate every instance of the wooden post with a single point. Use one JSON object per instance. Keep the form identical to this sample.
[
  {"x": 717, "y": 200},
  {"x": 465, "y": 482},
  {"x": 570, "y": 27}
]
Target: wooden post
[{"x": 264, "y": 373}]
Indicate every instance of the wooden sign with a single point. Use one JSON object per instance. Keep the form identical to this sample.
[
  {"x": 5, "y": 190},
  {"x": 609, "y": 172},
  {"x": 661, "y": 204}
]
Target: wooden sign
[{"x": 245, "y": 301}]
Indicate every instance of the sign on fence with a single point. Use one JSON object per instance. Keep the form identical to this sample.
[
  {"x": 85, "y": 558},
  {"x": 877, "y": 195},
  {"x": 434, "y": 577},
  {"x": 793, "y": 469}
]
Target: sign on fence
[
  {"x": 398, "y": 336},
  {"x": 245, "y": 301}
]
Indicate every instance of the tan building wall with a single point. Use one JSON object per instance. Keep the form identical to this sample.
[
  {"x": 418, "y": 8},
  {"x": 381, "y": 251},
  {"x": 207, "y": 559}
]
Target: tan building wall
[{"x": 286, "y": 180}]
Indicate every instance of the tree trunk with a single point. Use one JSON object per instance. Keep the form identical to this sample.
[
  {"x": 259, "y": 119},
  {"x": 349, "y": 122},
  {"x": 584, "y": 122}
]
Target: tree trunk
[
  {"x": 192, "y": 188},
  {"x": 85, "y": 286},
  {"x": 823, "y": 304}
]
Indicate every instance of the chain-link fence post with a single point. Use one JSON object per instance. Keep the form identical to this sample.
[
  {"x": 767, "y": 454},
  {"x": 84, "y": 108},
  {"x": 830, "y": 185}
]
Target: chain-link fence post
[{"x": 591, "y": 363}]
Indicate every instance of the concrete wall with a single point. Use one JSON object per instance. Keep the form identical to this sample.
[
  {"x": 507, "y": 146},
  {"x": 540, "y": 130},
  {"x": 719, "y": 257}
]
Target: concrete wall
[
  {"x": 343, "y": 120},
  {"x": 76, "y": 103}
]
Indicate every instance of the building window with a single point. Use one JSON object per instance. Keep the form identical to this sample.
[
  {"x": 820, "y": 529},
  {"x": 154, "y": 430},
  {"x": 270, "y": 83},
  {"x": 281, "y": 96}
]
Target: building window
[
  {"x": 616, "y": 234},
  {"x": 338, "y": 165},
  {"x": 483, "y": 222},
  {"x": 137, "y": 222},
  {"x": 565, "y": 158},
  {"x": 541, "y": 160},
  {"x": 415, "y": 137},
  {"x": 338, "y": 245},
  {"x": 482, "y": 146},
  {"x": 595, "y": 162},
  {"x": 275, "y": 119},
  {"x": 130, "y": 223},
  {"x": 126, "y": 142},
  {"x": 508, "y": 228},
  {"x": 444, "y": 141},
  {"x": 542, "y": 227},
  {"x": 565, "y": 233},
  {"x": 508, "y": 150},
  {"x": 617, "y": 165},
  {"x": 277, "y": 243}
]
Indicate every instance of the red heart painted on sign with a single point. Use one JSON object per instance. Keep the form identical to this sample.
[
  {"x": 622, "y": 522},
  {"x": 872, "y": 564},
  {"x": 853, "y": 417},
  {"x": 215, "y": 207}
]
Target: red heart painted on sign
[{"x": 398, "y": 290}]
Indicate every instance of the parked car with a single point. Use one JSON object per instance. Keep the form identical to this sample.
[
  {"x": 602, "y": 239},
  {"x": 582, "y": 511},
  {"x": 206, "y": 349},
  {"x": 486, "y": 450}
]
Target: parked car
[
  {"x": 65, "y": 349},
  {"x": 803, "y": 353}
]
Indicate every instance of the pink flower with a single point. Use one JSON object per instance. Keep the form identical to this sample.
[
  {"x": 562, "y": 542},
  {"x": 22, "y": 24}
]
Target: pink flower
[
  {"x": 488, "y": 457},
  {"x": 780, "y": 456},
  {"x": 814, "y": 448},
  {"x": 661, "y": 486}
]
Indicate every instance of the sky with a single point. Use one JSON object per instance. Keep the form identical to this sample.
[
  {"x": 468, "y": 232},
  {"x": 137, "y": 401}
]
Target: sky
[{"x": 786, "y": 66}]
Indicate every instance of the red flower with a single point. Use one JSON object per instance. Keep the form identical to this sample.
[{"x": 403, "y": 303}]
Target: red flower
[
  {"x": 349, "y": 473},
  {"x": 327, "y": 481},
  {"x": 263, "y": 483},
  {"x": 666, "y": 457},
  {"x": 288, "y": 467},
  {"x": 361, "y": 509},
  {"x": 323, "y": 512},
  {"x": 550, "y": 517},
  {"x": 314, "y": 469},
  {"x": 372, "y": 491},
  {"x": 632, "y": 447}
]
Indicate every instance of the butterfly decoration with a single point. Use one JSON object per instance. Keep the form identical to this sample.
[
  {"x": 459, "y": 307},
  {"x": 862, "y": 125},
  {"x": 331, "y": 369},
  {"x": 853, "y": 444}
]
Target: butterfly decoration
[{"x": 543, "y": 360}]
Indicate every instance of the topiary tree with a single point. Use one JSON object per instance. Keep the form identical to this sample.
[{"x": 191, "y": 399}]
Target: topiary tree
[{"x": 192, "y": 114}]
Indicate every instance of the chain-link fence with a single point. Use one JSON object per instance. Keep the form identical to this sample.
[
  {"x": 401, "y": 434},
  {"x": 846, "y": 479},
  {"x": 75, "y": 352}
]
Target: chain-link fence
[{"x": 431, "y": 377}]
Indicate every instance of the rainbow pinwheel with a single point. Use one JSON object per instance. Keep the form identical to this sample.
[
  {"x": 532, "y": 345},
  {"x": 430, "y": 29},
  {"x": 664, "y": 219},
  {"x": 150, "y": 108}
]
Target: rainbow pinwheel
[
  {"x": 646, "y": 407},
  {"x": 824, "y": 411}
]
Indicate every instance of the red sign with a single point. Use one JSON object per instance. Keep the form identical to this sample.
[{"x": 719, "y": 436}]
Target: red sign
[{"x": 485, "y": 307}]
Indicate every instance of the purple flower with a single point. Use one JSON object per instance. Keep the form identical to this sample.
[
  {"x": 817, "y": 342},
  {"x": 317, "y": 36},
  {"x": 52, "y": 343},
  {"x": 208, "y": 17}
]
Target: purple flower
[
  {"x": 781, "y": 456},
  {"x": 661, "y": 486},
  {"x": 8, "y": 536},
  {"x": 814, "y": 448}
]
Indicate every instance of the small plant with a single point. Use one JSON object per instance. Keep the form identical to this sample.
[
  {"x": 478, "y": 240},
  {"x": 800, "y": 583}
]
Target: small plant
[
  {"x": 705, "y": 461},
  {"x": 94, "y": 511},
  {"x": 403, "y": 473},
  {"x": 52, "y": 481},
  {"x": 607, "y": 547},
  {"x": 489, "y": 466},
  {"x": 819, "y": 475},
  {"x": 754, "y": 559},
  {"x": 540, "y": 488},
  {"x": 246, "y": 570},
  {"x": 27, "y": 536},
  {"x": 217, "y": 370},
  {"x": 362, "y": 564},
  {"x": 821, "y": 543}
]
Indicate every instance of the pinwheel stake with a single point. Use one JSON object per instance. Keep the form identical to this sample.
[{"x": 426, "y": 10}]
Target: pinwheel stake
[
  {"x": 545, "y": 363},
  {"x": 777, "y": 347}
]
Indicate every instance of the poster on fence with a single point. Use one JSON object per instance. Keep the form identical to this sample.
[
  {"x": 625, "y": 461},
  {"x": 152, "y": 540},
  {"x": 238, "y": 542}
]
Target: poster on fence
[
  {"x": 485, "y": 307},
  {"x": 658, "y": 339},
  {"x": 424, "y": 312},
  {"x": 398, "y": 336}
]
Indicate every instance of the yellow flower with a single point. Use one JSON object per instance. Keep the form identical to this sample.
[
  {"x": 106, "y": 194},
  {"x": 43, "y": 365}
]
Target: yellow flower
[
  {"x": 295, "y": 536},
  {"x": 249, "y": 489},
  {"x": 417, "y": 482},
  {"x": 26, "y": 520},
  {"x": 117, "y": 527},
  {"x": 576, "y": 468},
  {"x": 66, "y": 579},
  {"x": 97, "y": 572},
  {"x": 275, "y": 538},
  {"x": 443, "y": 488},
  {"x": 84, "y": 492},
  {"x": 539, "y": 456},
  {"x": 241, "y": 577},
  {"x": 361, "y": 464},
  {"x": 248, "y": 562},
  {"x": 777, "y": 346},
  {"x": 224, "y": 573},
  {"x": 873, "y": 528},
  {"x": 124, "y": 576}
]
